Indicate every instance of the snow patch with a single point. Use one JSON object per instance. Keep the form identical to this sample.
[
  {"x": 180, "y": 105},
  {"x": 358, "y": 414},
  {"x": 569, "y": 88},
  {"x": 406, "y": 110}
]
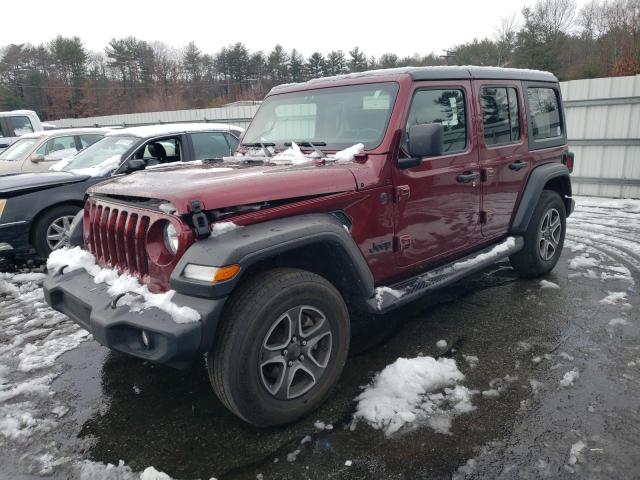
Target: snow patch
[
  {"x": 569, "y": 377},
  {"x": 420, "y": 389},
  {"x": 380, "y": 291},
  {"x": 494, "y": 254},
  {"x": 223, "y": 227},
  {"x": 167, "y": 207},
  {"x": 615, "y": 298},
  {"x": 441, "y": 344},
  {"x": 347, "y": 155},
  {"x": 583, "y": 261},
  {"x": 618, "y": 321},
  {"x": 547, "y": 284},
  {"x": 137, "y": 296},
  {"x": 471, "y": 360},
  {"x": 575, "y": 454}
]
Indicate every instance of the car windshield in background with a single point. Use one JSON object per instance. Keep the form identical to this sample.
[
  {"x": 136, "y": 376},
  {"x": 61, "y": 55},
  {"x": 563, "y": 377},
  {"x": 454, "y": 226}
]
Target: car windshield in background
[
  {"x": 109, "y": 150},
  {"x": 18, "y": 150},
  {"x": 336, "y": 117}
]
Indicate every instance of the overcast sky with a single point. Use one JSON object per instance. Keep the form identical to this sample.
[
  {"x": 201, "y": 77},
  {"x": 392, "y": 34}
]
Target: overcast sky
[{"x": 402, "y": 27}]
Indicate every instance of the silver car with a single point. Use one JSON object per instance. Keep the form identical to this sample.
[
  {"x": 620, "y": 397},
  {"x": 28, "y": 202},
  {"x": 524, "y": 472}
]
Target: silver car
[{"x": 38, "y": 151}]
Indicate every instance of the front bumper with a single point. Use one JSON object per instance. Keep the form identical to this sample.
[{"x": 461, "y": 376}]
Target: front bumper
[
  {"x": 175, "y": 344},
  {"x": 14, "y": 238}
]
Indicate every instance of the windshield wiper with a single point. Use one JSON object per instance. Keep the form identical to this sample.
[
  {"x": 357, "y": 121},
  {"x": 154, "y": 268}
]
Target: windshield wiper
[
  {"x": 262, "y": 145},
  {"x": 314, "y": 145}
]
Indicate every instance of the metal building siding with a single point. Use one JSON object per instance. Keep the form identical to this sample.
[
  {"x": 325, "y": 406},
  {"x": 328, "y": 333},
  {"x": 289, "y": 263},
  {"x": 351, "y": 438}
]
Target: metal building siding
[
  {"x": 236, "y": 115},
  {"x": 603, "y": 128}
]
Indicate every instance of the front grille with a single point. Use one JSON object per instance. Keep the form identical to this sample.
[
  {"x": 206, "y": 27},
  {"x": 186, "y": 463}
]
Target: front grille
[{"x": 117, "y": 236}]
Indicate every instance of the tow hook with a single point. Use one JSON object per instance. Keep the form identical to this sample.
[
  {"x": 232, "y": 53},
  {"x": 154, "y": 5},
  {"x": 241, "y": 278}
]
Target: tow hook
[
  {"x": 200, "y": 220},
  {"x": 114, "y": 300},
  {"x": 61, "y": 270}
]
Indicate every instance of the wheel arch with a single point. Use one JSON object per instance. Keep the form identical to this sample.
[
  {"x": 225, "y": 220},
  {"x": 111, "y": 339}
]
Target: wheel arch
[
  {"x": 319, "y": 243},
  {"x": 550, "y": 176}
]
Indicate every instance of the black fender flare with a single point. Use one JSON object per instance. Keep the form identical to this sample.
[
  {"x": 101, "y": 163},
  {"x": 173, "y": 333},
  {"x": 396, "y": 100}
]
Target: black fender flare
[
  {"x": 247, "y": 245},
  {"x": 538, "y": 178}
]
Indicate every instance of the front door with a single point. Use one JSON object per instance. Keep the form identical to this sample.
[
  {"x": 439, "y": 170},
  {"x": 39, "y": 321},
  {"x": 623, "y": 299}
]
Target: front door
[{"x": 438, "y": 201}]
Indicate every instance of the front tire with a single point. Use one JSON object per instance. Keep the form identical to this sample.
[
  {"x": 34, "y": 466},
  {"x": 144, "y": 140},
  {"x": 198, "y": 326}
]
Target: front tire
[
  {"x": 51, "y": 230},
  {"x": 544, "y": 238},
  {"x": 282, "y": 345}
]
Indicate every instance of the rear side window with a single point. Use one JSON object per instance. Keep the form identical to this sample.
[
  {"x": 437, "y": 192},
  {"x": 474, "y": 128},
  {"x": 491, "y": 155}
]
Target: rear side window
[
  {"x": 501, "y": 123},
  {"x": 544, "y": 112},
  {"x": 446, "y": 107},
  {"x": 20, "y": 125},
  {"x": 87, "y": 140},
  {"x": 208, "y": 145}
]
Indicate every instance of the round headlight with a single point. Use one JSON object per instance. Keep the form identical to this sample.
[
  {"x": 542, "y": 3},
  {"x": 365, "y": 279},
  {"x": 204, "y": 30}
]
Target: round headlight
[{"x": 171, "y": 238}]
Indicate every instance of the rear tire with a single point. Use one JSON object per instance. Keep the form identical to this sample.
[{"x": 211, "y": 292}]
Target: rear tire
[
  {"x": 47, "y": 234},
  {"x": 544, "y": 238},
  {"x": 282, "y": 345}
]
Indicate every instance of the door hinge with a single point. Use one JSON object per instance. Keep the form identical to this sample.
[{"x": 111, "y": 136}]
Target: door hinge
[
  {"x": 401, "y": 243},
  {"x": 483, "y": 217},
  {"x": 402, "y": 192}
]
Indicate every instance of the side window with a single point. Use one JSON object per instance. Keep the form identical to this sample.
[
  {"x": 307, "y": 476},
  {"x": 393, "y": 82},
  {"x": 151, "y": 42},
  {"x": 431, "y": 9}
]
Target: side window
[
  {"x": 207, "y": 145},
  {"x": 87, "y": 140},
  {"x": 20, "y": 125},
  {"x": 232, "y": 141},
  {"x": 58, "y": 148},
  {"x": 441, "y": 106},
  {"x": 500, "y": 120},
  {"x": 544, "y": 113},
  {"x": 165, "y": 150}
]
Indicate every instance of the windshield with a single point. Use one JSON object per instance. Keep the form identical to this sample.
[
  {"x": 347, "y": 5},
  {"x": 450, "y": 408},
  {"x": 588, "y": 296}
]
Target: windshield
[
  {"x": 19, "y": 149},
  {"x": 335, "y": 118},
  {"x": 105, "y": 153}
]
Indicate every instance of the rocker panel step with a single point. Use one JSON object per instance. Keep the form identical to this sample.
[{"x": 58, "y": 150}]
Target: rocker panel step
[{"x": 392, "y": 296}]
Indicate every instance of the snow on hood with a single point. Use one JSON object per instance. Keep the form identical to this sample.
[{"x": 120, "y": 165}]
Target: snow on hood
[
  {"x": 100, "y": 170},
  {"x": 137, "y": 297}
]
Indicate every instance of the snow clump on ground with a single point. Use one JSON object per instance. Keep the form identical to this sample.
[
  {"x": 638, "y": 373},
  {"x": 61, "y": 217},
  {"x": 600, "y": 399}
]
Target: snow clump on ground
[{"x": 415, "y": 390}]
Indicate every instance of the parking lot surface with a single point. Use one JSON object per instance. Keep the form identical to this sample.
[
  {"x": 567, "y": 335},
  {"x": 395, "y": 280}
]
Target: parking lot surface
[{"x": 551, "y": 367}]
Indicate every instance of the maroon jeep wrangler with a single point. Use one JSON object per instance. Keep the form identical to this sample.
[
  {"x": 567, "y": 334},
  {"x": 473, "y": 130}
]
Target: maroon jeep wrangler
[{"x": 459, "y": 167}]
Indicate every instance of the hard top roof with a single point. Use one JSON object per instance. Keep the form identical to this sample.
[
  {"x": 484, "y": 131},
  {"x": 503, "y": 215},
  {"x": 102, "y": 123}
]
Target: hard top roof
[{"x": 435, "y": 73}]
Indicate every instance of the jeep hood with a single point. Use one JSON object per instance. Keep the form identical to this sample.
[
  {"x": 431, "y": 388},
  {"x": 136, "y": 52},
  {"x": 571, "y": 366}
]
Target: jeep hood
[
  {"x": 218, "y": 186},
  {"x": 15, "y": 183}
]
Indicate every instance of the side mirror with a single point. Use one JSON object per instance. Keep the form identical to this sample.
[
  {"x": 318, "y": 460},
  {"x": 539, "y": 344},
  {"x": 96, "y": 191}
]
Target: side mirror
[
  {"x": 36, "y": 158},
  {"x": 136, "y": 164},
  {"x": 425, "y": 140}
]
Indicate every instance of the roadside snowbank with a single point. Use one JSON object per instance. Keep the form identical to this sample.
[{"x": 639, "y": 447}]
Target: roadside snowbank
[
  {"x": 137, "y": 296},
  {"x": 410, "y": 390}
]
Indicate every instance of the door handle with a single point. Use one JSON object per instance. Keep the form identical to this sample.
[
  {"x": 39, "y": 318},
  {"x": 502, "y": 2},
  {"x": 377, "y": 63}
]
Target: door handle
[
  {"x": 468, "y": 177},
  {"x": 519, "y": 165}
]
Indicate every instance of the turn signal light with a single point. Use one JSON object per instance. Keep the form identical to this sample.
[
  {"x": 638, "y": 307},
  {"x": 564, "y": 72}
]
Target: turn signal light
[
  {"x": 211, "y": 274},
  {"x": 226, "y": 273}
]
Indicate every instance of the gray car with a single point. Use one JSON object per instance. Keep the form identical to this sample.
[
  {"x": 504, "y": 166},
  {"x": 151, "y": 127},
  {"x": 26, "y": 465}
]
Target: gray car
[{"x": 38, "y": 151}]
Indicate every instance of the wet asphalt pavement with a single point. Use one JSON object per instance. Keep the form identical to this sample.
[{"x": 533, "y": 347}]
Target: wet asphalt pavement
[{"x": 89, "y": 407}]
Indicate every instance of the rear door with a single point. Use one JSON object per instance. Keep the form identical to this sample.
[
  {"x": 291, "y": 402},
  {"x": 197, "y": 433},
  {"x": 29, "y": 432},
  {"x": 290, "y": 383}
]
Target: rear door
[
  {"x": 438, "y": 201},
  {"x": 505, "y": 161}
]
